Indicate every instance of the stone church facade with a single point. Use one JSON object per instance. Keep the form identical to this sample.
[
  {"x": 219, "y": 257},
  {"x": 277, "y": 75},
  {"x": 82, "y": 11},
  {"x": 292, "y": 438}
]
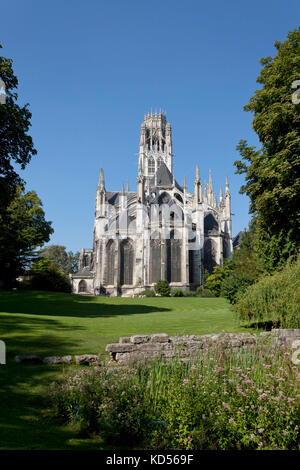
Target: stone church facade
[{"x": 159, "y": 231}]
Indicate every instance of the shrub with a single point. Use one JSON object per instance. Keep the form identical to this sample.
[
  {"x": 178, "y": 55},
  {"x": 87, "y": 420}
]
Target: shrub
[
  {"x": 273, "y": 298},
  {"x": 233, "y": 286},
  {"x": 215, "y": 280},
  {"x": 148, "y": 293},
  {"x": 46, "y": 276},
  {"x": 202, "y": 292},
  {"x": 176, "y": 293},
  {"x": 162, "y": 288},
  {"x": 189, "y": 293}
]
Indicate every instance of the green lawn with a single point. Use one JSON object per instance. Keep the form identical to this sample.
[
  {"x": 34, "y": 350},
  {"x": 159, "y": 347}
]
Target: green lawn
[{"x": 46, "y": 324}]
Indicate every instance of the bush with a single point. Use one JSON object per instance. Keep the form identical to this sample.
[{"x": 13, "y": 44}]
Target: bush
[
  {"x": 215, "y": 280},
  {"x": 148, "y": 293},
  {"x": 190, "y": 293},
  {"x": 162, "y": 288},
  {"x": 176, "y": 293},
  {"x": 201, "y": 292},
  {"x": 233, "y": 286},
  {"x": 46, "y": 276},
  {"x": 273, "y": 298}
]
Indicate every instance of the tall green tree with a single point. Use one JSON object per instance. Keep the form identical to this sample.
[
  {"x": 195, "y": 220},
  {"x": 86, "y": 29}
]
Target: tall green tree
[
  {"x": 23, "y": 227},
  {"x": 65, "y": 261},
  {"x": 16, "y": 145},
  {"x": 272, "y": 173},
  {"x": 23, "y": 230}
]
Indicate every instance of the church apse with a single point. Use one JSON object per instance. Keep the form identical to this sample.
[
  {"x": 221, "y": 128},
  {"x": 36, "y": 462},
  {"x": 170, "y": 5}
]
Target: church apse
[{"x": 158, "y": 230}]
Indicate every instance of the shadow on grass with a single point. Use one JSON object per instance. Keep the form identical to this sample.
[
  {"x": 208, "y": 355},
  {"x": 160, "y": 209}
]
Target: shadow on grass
[
  {"x": 23, "y": 398},
  {"x": 70, "y": 305},
  {"x": 24, "y": 387},
  {"x": 261, "y": 325}
]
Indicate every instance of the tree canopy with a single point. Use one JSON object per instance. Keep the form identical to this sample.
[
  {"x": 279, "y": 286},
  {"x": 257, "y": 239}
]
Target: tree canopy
[
  {"x": 23, "y": 230},
  {"x": 16, "y": 146},
  {"x": 272, "y": 173},
  {"x": 63, "y": 260},
  {"x": 22, "y": 219}
]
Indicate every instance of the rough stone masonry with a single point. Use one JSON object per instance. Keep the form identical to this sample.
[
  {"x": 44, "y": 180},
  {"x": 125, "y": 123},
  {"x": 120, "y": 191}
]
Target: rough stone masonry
[{"x": 145, "y": 347}]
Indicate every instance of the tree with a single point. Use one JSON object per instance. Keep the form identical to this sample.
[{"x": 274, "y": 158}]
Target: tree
[
  {"x": 23, "y": 229},
  {"x": 64, "y": 261},
  {"x": 272, "y": 173},
  {"x": 45, "y": 275},
  {"x": 16, "y": 146},
  {"x": 214, "y": 281},
  {"x": 162, "y": 288}
]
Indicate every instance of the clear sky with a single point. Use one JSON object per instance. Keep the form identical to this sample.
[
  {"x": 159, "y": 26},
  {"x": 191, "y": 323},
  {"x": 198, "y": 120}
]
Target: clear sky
[{"x": 90, "y": 69}]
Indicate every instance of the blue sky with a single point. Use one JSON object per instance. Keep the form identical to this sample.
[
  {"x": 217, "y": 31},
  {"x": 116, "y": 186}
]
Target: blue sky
[{"x": 90, "y": 70}]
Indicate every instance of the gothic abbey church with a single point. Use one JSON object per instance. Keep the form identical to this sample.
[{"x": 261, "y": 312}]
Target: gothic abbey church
[{"x": 159, "y": 231}]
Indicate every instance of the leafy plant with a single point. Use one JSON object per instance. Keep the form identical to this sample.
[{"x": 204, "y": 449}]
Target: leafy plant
[
  {"x": 273, "y": 298},
  {"x": 162, "y": 288},
  {"x": 176, "y": 293}
]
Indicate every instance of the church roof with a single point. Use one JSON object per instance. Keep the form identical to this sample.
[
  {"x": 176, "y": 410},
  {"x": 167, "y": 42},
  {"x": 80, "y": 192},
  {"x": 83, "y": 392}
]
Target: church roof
[
  {"x": 236, "y": 241},
  {"x": 113, "y": 197},
  {"x": 84, "y": 272},
  {"x": 164, "y": 178}
]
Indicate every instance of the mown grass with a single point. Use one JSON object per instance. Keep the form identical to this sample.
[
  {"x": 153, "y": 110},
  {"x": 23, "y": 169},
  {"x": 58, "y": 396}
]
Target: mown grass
[{"x": 45, "y": 324}]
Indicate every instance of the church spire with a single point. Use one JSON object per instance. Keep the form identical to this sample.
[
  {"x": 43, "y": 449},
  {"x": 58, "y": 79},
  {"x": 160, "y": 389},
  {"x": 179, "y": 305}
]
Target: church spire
[
  {"x": 210, "y": 186},
  {"x": 184, "y": 183},
  {"x": 101, "y": 180},
  {"x": 227, "y": 186},
  {"x": 127, "y": 187}
]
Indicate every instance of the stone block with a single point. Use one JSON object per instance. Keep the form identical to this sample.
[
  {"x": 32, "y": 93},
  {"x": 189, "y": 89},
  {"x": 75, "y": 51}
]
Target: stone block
[
  {"x": 152, "y": 347},
  {"x": 120, "y": 348},
  {"x": 28, "y": 359},
  {"x": 58, "y": 360},
  {"x": 86, "y": 359},
  {"x": 124, "y": 340},
  {"x": 138, "y": 339},
  {"x": 159, "y": 338}
]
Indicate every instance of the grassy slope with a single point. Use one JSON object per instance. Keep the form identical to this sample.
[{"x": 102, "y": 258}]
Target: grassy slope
[{"x": 56, "y": 324}]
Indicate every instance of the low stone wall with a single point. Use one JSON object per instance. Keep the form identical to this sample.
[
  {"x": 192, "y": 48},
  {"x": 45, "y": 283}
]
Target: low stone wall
[{"x": 143, "y": 347}]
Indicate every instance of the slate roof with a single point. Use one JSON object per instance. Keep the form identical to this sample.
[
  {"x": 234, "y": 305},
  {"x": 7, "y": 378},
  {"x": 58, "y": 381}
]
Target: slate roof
[
  {"x": 237, "y": 239},
  {"x": 113, "y": 197},
  {"x": 164, "y": 178},
  {"x": 84, "y": 272}
]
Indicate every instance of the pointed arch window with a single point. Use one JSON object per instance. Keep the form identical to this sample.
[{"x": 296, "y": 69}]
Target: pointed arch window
[
  {"x": 151, "y": 166},
  {"x": 126, "y": 268},
  {"x": 110, "y": 262},
  {"x": 159, "y": 162},
  {"x": 82, "y": 286},
  {"x": 173, "y": 246}
]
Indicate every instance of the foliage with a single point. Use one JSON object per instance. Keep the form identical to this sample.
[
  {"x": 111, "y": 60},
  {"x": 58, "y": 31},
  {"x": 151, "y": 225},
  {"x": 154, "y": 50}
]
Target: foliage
[
  {"x": 176, "y": 293},
  {"x": 233, "y": 286},
  {"x": 202, "y": 292},
  {"x": 16, "y": 146},
  {"x": 272, "y": 172},
  {"x": 224, "y": 400},
  {"x": 245, "y": 266},
  {"x": 23, "y": 229},
  {"x": 22, "y": 220},
  {"x": 64, "y": 261},
  {"x": 46, "y": 276},
  {"x": 162, "y": 288},
  {"x": 148, "y": 293},
  {"x": 189, "y": 293},
  {"x": 273, "y": 298},
  {"x": 214, "y": 282}
]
